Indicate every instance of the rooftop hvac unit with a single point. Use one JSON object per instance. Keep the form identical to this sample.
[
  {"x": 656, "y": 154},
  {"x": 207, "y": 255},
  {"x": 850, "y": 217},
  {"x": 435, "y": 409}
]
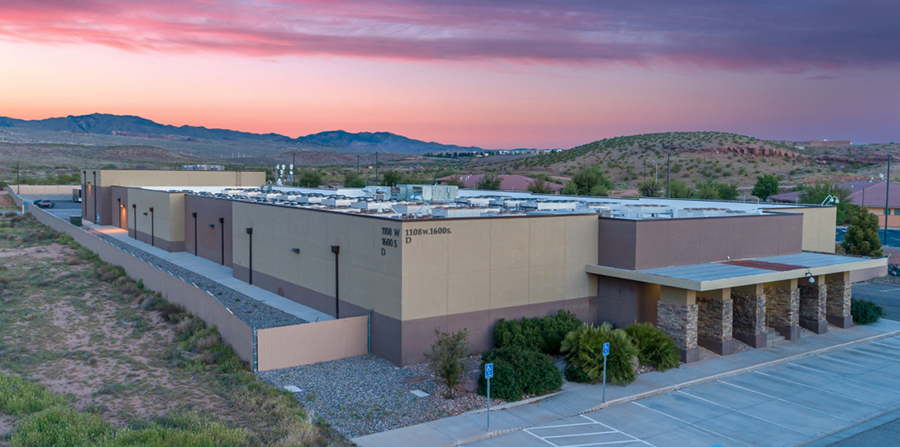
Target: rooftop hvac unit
[
  {"x": 310, "y": 199},
  {"x": 702, "y": 212},
  {"x": 337, "y": 202},
  {"x": 549, "y": 206},
  {"x": 479, "y": 201}
]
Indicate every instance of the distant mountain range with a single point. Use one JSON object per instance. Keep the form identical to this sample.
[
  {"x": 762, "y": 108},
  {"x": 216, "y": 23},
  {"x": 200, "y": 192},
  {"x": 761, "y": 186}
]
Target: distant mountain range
[{"x": 332, "y": 141}]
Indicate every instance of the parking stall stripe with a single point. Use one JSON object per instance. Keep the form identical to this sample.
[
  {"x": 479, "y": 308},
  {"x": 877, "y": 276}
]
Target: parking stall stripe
[
  {"x": 785, "y": 401},
  {"x": 742, "y": 412},
  {"x": 895, "y": 359},
  {"x": 842, "y": 396},
  {"x": 692, "y": 425},
  {"x": 620, "y": 431}
]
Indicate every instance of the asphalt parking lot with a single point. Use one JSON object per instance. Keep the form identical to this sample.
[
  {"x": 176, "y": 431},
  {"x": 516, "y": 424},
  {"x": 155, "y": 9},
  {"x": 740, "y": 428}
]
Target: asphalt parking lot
[{"x": 788, "y": 404}]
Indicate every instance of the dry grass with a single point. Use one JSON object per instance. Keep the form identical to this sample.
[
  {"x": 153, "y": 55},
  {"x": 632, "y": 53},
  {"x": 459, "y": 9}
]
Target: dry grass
[{"x": 78, "y": 328}]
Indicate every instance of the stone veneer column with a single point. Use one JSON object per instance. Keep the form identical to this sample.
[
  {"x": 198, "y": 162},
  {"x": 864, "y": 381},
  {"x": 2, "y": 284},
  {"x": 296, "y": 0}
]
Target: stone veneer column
[
  {"x": 677, "y": 317},
  {"x": 750, "y": 315},
  {"x": 812, "y": 304},
  {"x": 837, "y": 307},
  {"x": 714, "y": 321},
  {"x": 783, "y": 308}
]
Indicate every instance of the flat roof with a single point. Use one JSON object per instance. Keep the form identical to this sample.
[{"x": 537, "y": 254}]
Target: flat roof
[
  {"x": 719, "y": 275},
  {"x": 504, "y": 203}
]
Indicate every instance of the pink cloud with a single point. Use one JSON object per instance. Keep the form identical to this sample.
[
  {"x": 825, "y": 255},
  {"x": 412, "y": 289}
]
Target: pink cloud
[{"x": 792, "y": 37}]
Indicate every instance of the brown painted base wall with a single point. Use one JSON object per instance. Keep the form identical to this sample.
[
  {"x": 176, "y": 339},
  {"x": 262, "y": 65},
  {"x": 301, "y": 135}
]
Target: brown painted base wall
[
  {"x": 158, "y": 242},
  {"x": 406, "y": 342},
  {"x": 623, "y": 302},
  {"x": 209, "y": 239}
]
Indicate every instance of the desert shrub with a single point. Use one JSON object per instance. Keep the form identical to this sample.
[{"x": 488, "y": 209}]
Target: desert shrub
[
  {"x": 9, "y": 214},
  {"x": 167, "y": 310},
  {"x": 20, "y": 397},
  {"x": 538, "y": 334},
  {"x": 865, "y": 312},
  {"x": 583, "y": 349},
  {"x": 447, "y": 356},
  {"x": 61, "y": 426},
  {"x": 152, "y": 303},
  {"x": 519, "y": 371},
  {"x": 654, "y": 346}
]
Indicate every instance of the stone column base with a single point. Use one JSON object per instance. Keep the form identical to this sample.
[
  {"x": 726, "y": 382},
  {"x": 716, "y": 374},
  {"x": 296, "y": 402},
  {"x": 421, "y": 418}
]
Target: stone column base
[
  {"x": 818, "y": 327},
  {"x": 843, "y": 322},
  {"x": 690, "y": 355},
  {"x": 791, "y": 333},
  {"x": 721, "y": 347},
  {"x": 759, "y": 340}
]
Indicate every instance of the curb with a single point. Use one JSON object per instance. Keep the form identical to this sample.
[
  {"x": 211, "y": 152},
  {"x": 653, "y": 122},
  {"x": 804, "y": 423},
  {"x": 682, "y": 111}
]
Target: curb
[
  {"x": 679, "y": 386},
  {"x": 670, "y": 388}
]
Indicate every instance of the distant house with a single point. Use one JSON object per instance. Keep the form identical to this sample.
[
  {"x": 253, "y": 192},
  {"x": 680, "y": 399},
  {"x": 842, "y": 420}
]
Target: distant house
[
  {"x": 864, "y": 193},
  {"x": 507, "y": 182}
]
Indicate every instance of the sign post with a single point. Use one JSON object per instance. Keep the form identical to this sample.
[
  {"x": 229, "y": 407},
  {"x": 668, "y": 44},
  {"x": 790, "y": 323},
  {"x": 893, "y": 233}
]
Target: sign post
[
  {"x": 488, "y": 373},
  {"x": 605, "y": 353}
]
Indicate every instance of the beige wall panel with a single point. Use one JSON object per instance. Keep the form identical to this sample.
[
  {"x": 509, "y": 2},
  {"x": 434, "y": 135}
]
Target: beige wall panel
[
  {"x": 469, "y": 292},
  {"x": 818, "y": 227},
  {"x": 303, "y": 344},
  {"x": 136, "y": 177},
  {"x": 579, "y": 284},
  {"x": 168, "y": 223},
  {"x": 379, "y": 292},
  {"x": 509, "y": 287},
  {"x": 369, "y": 279},
  {"x": 547, "y": 241},
  {"x": 425, "y": 296},
  {"x": 582, "y": 239},
  {"x": 509, "y": 243},
  {"x": 546, "y": 283},
  {"x": 470, "y": 246},
  {"x": 425, "y": 255}
]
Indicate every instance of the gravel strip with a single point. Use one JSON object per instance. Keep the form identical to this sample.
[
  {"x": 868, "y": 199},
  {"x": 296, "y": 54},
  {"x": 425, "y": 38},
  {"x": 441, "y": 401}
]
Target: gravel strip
[
  {"x": 257, "y": 315},
  {"x": 360, "y": 395}
]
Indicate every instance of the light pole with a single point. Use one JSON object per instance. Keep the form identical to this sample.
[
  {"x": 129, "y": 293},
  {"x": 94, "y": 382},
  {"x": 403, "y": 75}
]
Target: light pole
[
  {"x": 656, "y": 174},
  {"x": 668, "y": 160}
]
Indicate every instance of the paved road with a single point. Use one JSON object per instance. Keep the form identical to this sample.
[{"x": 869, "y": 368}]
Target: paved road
[
  {"x": 893, "y": 236},
  {"x": 885, "y": 295},
  {"x": 788, "y": 404}
]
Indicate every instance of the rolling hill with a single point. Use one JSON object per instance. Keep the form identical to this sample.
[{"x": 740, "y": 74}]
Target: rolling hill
[{"x": 135, "y": 126}]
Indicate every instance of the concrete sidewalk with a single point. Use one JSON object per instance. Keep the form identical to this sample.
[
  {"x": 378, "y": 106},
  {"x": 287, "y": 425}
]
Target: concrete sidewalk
[
  {"x": 215, "y": 272},
  {"x": 576, "y": 399}
]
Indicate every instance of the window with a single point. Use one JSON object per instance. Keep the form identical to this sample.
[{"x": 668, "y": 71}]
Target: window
[{"x": 897, "y": 211}]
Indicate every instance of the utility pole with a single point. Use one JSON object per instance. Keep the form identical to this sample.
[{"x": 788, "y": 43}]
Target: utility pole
[
  {"x": 887, "y": 194},
  {"x": 376, "y": 168},
  {"x": 357, "y": 164},
  {"x": 17, "y": 177},
  {"x": 668, "y": 160}
]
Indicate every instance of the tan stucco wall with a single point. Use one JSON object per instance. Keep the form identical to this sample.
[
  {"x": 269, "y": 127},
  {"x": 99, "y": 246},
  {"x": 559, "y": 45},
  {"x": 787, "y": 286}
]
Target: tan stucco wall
[
  {"x": 818, "y": 227},
  {"x": 368, "y": 278},
  {"x": 138, "y": 177},
  {"x": 492, "y": 263},
  {"x": 168, "y": 213}
]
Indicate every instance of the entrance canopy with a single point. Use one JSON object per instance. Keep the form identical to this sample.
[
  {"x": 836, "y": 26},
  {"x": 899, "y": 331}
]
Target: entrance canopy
[{"x": 743, "y": 272}]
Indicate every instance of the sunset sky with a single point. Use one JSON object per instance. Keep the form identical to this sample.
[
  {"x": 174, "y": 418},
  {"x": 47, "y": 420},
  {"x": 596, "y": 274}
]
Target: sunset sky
[{"x": 495, "y": 74}]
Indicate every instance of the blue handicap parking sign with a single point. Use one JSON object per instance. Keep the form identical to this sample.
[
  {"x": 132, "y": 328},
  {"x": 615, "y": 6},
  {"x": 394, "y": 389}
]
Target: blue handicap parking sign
[
  {"x": 488, "y": 370},
  {"x": 605, "y": 349}
]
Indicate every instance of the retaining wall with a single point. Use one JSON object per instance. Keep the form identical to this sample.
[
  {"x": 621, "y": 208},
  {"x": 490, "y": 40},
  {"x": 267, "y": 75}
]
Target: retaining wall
[
  {"x": 302, "y": 344},
  {"x": 44, "y": 189},
  {"x": 280, "y": 347}
]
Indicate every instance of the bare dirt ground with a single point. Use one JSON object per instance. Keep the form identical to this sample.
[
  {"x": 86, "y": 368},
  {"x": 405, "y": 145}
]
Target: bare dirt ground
[
  {"x": 5, "y": 200},
  {"x": 76, "y": 338},
  {"x": 82, "y": 335}
]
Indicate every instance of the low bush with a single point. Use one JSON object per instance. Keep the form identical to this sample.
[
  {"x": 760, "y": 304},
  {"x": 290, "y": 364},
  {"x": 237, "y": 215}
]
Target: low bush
[
  {"x": 447, "y": 357},
  {"x": 61, "y": 426},
  {"x": 20, "y": 397},
  {"x": 519, "y": 371},
  {"x": 865, "y": 312},
  {"x": 538, "y": 334},
  {"x": 583, "y": 349},
  {"x": 655, "y": 348}
]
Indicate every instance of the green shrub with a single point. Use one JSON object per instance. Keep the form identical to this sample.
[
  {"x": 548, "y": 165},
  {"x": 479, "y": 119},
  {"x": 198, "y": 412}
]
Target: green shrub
[
  {"x": 654, "y": 346},
  {"x": 447, "y": 357},
  {"x": 583, "y": 349},
  {"x": 188, "y": 429},
  {"x": 519, "y": 371},
  {"x": 20, "y": 397},
  {"x": 61, "y": 426},
  {"x": 865, "y": 312},
  {"x": 538, "y": 334}
]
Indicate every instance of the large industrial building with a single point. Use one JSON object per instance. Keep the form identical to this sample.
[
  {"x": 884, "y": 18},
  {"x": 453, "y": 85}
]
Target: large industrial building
[{"x": 425, "y": 257}]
